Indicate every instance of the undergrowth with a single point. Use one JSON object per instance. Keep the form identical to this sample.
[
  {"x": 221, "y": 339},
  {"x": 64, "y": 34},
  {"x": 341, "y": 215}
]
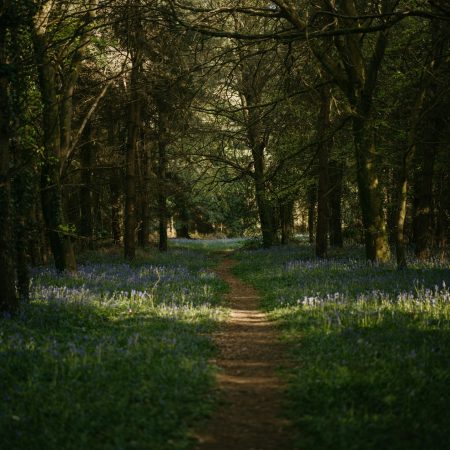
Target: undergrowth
[
  {"x": 114, "y": 356},
  {"x": 370, "y": 347}
]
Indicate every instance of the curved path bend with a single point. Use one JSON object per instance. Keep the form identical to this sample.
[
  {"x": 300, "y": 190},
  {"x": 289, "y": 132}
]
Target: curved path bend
[{"x": 249, "y": 355}]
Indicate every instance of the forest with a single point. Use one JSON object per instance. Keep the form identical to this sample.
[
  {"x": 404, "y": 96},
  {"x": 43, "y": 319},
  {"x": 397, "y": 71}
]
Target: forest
[{"x": 159, "y": 156}]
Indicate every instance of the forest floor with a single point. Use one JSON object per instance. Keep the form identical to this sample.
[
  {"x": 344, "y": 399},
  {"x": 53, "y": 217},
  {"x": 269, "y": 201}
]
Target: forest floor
[{"x": 249, "y": 355}]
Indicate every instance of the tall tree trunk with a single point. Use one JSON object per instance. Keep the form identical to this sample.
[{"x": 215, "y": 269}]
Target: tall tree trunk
[
  {"x": 433, "y": 122},
  {"x": 114, "y": 191},
  {"x": 311, "y": 199},
  {"x": 392, "y": 201},
  {"x": 402, "y": 199},
  {"x": 9, "y": 301},
  {"x": 336, "y": 173},
  {"x": 356, "y": 74},
  {"x": 183, "y": 226},
  {"x": 144, "y": 175},
  {"x": 423, "y": 192},
  {"x": 87, "y": 160},
  {"x": 376, "y": 241},
  {"x": 443, "y": 214},
  {"x": 134, "y": 123},
  {"x": 287, "y": 221},
  {"x": 162, "y": 185},
  {"x": 36, "y": 239},
  {"x": 24, "y": 182},
  {"x": 402, "y": 184},
  {"x": 265, "y": 209},
  {"x": 23, "y": 188},
  {"x": 8, "y": 296},
  {"x": 323, "y": 125},
  {"x": 251, "y": 88},
  {"x": 51, "y": 194}
]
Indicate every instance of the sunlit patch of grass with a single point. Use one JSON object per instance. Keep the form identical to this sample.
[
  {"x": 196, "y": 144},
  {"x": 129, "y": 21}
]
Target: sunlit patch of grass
[
  {"x": 210, "y": 245},
  {"x": 114, "y": 356},
  {"x": 370, "y": 346}
]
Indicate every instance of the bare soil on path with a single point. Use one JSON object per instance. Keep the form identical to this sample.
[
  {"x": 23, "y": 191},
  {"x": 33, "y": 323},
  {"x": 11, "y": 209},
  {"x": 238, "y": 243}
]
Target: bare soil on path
[{"x": 249, "y": 356}]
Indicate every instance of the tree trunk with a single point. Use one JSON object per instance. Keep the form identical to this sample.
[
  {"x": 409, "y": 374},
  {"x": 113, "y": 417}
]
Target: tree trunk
[
  {"x": 87, "y": 159},
  {"x": 323, "y": 125},
  {"x": 356, "y": 74},
  {"x": 51, "y": 195},
  {"x": 36, "y": 238},
  {"x": 336, "y": 173},
  {"x": 265, "y": 209},
  {"x": 8, "y": 297},
  {"x": 23, "y": 188},
  {"x": 403, "y": 182},
  {"x": 392, "y": 201},
  {"x": 182, "y": 228},
  {"x": 9, "y": 301},
  {"x": 311, "y": 198},
  {"x": 423, "y": 192},
  {"x": 162, "y": 192},
  {"x": 402, "y": 199},
  {"x": 376, "y": 241},
  {"x": 433, "y": 122},
  {"x": 134, "y": 123},
  {"x": 144, "y": 175},
  {"x": 443, "y": 214},
  {"x": 114, "y": 191},
  {"x": 286, "y": 218}
]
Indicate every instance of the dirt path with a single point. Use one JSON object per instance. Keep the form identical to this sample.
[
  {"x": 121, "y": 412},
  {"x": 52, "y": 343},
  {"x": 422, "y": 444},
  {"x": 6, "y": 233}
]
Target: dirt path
[{"x": 249, "y": 354}]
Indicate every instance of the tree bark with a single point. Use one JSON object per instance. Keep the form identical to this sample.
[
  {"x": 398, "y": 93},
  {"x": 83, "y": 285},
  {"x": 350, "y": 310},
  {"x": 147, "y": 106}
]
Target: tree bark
[
  {"x": 402, "y": 199},
  {"x": 336, "y": 172},
  {"x": 311, "y": 198},
  {"x": 402, "y": 184},
  {"x": 144, "y": 210},
  {"x": 265, "y": 209},
  {"x": 9, "y": 301},
  {"x": 51, "y": 194},
  {"x": 323, "y": 125},
  {"x": 162, "y": 187},
  {"x": 433, "y": 122},
  {"x": 87, "y": 159},
  {"x": 134, "y": 123},
  {"x": 423, "y": 192},
  {"x": 356, "y": 75},
  {"x": 114, "y": 195},
  {"x": 182, "y": 228},
  {"x": 443, "y": 214},
  {"x": 376, "y": 241},
  {"x": 287, "y": 221}
]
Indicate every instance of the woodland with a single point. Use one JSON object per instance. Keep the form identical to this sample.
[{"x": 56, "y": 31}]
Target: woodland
[
  {"x": 141, "y": 140},
  {"x": 120, "y": 118}
]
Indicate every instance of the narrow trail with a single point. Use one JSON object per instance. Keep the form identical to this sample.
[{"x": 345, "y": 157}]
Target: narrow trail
[{"x": 249, "y": 355}]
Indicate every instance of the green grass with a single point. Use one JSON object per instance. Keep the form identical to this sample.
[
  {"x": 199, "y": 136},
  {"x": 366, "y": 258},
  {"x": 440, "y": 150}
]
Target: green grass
[
  {"x": 116, "y": 355},
  {"x": 370, "y": 347},
  {"x": 209, "y": 245},
  {"x": 113, "y": 357}
]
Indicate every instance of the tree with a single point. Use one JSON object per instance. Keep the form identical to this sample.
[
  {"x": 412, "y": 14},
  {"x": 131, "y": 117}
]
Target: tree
[
  {"x": 8, "y": 295},
  {"x": 323, "y": 125},
  {"x": 57, "y": 89}
]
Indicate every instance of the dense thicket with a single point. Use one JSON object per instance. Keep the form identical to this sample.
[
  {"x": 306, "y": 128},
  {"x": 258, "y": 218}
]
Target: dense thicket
[{"x": 123, "y": 120}]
